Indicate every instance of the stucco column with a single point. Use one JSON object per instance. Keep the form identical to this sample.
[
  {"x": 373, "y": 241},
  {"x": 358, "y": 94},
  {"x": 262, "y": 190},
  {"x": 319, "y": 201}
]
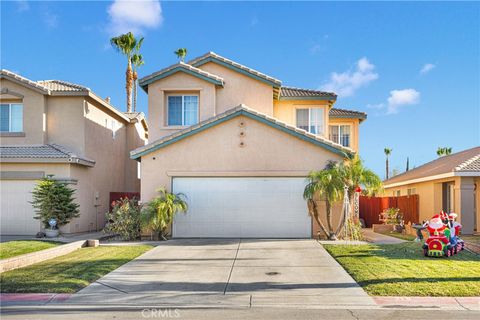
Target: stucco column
[{"x": 466, "y": 197}]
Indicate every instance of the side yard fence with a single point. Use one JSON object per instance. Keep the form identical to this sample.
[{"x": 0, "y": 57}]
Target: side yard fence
[{"x": 371, "y": 207}]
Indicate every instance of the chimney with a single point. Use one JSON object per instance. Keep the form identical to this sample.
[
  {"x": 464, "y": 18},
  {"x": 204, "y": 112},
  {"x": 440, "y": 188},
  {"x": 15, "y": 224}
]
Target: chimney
[{"x": 107, "y": 99}]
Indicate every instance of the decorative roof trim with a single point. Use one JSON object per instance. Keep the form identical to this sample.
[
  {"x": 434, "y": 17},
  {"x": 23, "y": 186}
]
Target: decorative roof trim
[
  {"x": 461, "y": 167},
  {"x": 9, "y": 75},
  {"x": 242, "y": 111},
  {"x": 180, "y": 67},
  {"x": 232, "y": 65}
]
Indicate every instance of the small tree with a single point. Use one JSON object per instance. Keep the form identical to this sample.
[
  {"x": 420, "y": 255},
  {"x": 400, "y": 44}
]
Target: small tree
[
  {"x": 124, "y": 219},
  {"x": 53, "y": 199},
  {"x": 158, "y": 214}
]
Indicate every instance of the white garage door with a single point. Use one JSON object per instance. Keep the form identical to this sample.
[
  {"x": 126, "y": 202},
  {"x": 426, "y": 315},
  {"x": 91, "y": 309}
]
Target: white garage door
[
  {"x": 243, "y": 208},
  {"x": 16, "y": 213}
]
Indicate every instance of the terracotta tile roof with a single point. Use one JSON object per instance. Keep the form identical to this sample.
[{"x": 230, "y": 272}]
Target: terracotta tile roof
[
  {"x": 246, "y": 110},
  {"x": 18, "y": 78},
  {"x": 143, "y": 82},
  {"x": 292, "y": 92},
  {"x": 212, "y": 55},
  {"x": 344, "y": 113},
  {"x": 59, "y": 85},
  {"x": 45, "y": 151},
  {"x": 463, "y": 161}
]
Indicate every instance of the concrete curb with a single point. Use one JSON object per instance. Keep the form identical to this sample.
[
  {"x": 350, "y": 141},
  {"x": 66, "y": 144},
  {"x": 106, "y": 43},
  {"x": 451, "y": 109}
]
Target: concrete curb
[{"x": 42, "y": 255}]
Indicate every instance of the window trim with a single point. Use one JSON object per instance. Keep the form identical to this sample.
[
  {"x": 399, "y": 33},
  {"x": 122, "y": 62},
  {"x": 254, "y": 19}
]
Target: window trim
[
  {"x": 10, "y": 119},
  {"x": 306, "y": 107},
  {"x": 183, "y": 95},
  {"x": 338, "y": 133}
]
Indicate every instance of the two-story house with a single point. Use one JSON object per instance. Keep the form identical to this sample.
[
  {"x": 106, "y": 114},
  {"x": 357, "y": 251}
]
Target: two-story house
[
  {"x": 239, "y": 145},
  {"x": 63, "y": 129}
]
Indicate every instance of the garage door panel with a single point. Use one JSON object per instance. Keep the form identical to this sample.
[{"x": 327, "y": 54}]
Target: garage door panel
[
  {"x": 16, "y": 212},
  {"x": 242, "y": 207}
]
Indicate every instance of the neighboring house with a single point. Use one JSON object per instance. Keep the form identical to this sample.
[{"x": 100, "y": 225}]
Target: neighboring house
[
  {"x": 64, "y": 129},
  {"x": 449, "y": 183},
  {"x": 239, "y": 145}
]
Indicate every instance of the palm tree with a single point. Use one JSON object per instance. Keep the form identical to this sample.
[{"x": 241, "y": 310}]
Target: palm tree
[
  {"x": 326, "y": 185},
  {"x": 158, "y": 214},
  {"x": 125, "y": 44},
  {"x": 443, "y": 151},
  {"x": 387, "y": 152},
  {"x": 181, "y": 53},
  {"x": 137, "y": 61}
]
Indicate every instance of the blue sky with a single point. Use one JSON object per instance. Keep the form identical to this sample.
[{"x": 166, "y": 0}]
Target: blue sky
[{"x": 413, "y": 67}]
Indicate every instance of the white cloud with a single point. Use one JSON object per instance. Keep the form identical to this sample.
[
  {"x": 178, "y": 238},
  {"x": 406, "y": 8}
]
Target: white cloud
[
  {"x": 315, "y": 48},
  {"x": 134, "y": 15},
  {"x": 346, "y": 83},
  {"x": 22, "y": 5},
  {"x": 377, "y": 106},
  {"x": 427, "y": 68},
  {"x": 399, "y": 98}
]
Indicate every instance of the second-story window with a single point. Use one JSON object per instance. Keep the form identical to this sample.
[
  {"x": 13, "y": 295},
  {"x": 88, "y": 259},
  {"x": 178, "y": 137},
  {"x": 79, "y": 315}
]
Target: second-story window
[
  {"x": 182, "y": 110},
  {"x": 11, "y": 117},
  {"x": 340, "y": 134},
  {"x": 311, "y": 120}
]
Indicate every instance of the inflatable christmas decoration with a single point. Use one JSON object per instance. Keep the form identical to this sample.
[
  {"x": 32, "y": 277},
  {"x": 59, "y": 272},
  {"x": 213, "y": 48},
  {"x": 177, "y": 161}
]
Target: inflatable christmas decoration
[{"x": 443, "y": 237}]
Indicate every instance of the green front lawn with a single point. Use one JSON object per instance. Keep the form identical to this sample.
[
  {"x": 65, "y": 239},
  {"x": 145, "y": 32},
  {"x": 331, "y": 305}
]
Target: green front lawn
[
  {"x": 402, "y": 270},
  {"x": 71, "y": 272},
  {"x": 398, "y": 235},
  {"x": 15, "y": 248}
]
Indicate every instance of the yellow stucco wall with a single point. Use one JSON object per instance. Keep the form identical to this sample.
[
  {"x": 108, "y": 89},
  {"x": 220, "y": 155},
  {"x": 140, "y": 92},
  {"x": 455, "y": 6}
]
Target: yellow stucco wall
[
  {"x": 217, "y": 152},
  {"x": 430, "y": 196}
]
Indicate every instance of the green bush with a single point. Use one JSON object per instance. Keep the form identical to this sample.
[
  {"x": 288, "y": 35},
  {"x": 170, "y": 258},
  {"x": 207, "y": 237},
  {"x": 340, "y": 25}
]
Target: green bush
[
  {"x": 53, "y": 199},
  {"x": 158, "y": 214},
  {"x": 124, "y": 219}
]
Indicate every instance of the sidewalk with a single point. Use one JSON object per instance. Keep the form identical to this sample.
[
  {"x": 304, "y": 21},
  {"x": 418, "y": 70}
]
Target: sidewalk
[
  {"x": 14, "y": 300},
  {"x": 379, "y": 238}
]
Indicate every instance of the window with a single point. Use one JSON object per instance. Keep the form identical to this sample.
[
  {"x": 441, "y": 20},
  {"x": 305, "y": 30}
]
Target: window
[
  {"x": 311, "y": 120},
  {"x": 11, "y": 117},
  {"x": 340, "y": 134},
  {"x": 182, "y": 110},
  {"x": 411, "y": 191}
]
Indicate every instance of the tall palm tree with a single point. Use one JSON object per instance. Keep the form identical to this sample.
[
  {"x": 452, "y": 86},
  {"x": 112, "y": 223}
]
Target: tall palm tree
[
  {"x": 159, "y": 213},
  {"x": 137, "y": 62},
  {"x": 387, "y": 152},
  {"x": 125, "y": 44},
  {"x": 181, "y": 53},
  {"x": 443, "y": 151},
  {"x": 325, "y": 185}
]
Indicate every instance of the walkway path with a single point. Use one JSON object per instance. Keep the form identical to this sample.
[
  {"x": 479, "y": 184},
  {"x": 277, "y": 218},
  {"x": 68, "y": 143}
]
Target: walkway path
[{"x": 379, "y": 238}]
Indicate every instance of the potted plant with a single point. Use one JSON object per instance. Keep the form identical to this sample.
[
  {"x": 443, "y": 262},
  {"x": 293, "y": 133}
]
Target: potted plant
[{"x": 54, "y": 204}]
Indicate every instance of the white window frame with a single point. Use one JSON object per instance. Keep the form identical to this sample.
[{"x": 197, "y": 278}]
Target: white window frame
[
  {"x": 10, "y": 117},
  {"x": 310, "y": 117},
  {"x": 338, "y": 133},
  {"x": 183, "y": 109}
]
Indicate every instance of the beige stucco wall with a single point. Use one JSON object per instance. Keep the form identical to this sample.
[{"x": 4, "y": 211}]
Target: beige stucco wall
[
  {"x": 177, "y": 83},
  {"x": 135, "y": 138},
  {"x": 239, "y": 89},
  {"x": 34, "y": 106},
  {"x": 217, "y": 152},
  {"x": 430, "y": 198},
  {"x": 65, "y": 125}
]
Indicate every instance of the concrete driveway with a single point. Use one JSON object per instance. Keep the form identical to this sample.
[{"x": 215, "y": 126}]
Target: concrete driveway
[{"x": 237, "y": 270}]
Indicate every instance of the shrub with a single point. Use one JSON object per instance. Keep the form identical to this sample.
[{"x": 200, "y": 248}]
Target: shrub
[
  {"x": 53, "y": 199},
  {"x": 124, "y": 219},
  {"x": 158, "y": 214}
]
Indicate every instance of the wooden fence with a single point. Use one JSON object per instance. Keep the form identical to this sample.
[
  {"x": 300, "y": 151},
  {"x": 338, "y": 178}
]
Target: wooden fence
[{"x": 371, "y": 207}]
